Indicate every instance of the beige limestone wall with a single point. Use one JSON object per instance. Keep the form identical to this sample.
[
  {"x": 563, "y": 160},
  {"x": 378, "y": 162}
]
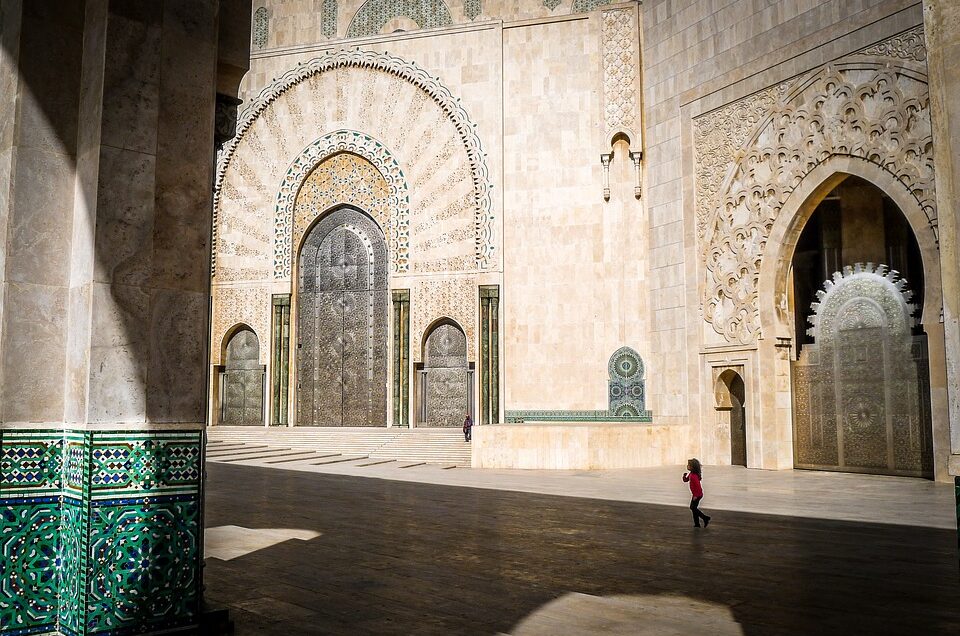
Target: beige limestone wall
[
  {"x": 40, "y": 196},
  {"x": 579, "y": 446},
  {"x": 698, "y": 59},
  {"x": 942, "y": 30},
  {"x": 574, "y": 266}
]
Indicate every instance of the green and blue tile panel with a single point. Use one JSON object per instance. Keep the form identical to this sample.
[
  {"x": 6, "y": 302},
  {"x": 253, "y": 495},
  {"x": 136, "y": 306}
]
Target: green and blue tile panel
[{"x": 100, "y": 531}]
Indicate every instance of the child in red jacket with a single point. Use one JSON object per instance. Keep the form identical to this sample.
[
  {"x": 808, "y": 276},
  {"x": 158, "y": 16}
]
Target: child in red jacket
[{"x": 693, "y": 475}]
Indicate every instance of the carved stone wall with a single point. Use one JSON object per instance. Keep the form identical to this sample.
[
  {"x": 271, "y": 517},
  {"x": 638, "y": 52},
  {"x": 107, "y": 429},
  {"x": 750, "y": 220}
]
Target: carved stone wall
[
  {"x": 718, "y": 135},
  {"x": 861, "y": 397},
  {"x": 620, "y": 42},
  {"x": 876, "y": 111},
  {"x": 329, "y": 18},
  {"x": 375, "y": 14},
  {"x": 277, "y": 145},
  {"x": 454, "y": 298},
  {"x": 240, "y": 305}
]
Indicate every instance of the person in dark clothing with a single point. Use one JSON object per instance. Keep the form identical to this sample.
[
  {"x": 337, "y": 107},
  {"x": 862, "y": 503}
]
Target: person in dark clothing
[
  {"x": 693, "y": 476},
  {"x": 467, "y": 427}
]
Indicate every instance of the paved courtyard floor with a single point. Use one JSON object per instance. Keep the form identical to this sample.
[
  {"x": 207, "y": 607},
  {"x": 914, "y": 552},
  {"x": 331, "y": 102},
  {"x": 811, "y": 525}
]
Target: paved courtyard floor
[{"x": 382, "y": 550}]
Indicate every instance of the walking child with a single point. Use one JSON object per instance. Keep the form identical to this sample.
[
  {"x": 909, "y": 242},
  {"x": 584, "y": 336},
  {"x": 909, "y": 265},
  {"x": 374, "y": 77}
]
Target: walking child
[{"x": 693, "y": 476}]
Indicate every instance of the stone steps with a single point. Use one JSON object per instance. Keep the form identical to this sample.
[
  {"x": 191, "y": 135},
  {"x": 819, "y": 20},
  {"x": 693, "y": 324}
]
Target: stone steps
[{"x": 429, "y": 445}]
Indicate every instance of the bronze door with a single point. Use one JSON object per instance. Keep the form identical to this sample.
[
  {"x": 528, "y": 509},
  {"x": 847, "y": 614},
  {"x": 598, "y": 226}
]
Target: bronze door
[
  {"x": 447, "y": 388},
  {"x": 342, "y": 323},
  {"x": 242, "y": 401}
]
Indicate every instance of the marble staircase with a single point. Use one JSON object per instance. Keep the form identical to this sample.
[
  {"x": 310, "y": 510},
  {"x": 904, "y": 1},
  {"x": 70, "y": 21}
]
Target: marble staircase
[{"x": 426, "y": 445}]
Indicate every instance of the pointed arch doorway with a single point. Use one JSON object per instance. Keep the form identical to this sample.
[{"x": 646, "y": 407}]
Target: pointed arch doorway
[
  {"x": 342, "y": 322},
  {"x": 861, "y": 378}
]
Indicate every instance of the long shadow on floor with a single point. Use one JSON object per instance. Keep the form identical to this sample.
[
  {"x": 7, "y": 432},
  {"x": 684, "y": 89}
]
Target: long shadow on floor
[{"x": 408, "y": 558}]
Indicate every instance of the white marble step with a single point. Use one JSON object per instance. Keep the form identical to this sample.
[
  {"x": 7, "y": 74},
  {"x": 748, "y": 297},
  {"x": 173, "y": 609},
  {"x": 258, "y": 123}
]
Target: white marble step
[{"x": 440, "y": 446}]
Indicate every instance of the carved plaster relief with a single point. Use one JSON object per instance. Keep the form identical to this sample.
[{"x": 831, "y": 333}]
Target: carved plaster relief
[
  {"x": 437, "y": 147},
  {"x": 873, "y": 111},
  {"x": 909, "y": 45},
  {"x": 454, "y": 298},
  {"x": 236, "y": 305},
  {"x": 620, "y": 42},
  {"x": 356, "y": 169}
]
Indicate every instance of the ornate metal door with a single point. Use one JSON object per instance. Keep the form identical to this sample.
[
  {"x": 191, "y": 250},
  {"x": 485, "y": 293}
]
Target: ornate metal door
[
  {"x": 446, "y": 393},
  {"x": 861, "y": 394},
  {"x": 342, "y": 323},
  {"x": 242, "y": 397}
]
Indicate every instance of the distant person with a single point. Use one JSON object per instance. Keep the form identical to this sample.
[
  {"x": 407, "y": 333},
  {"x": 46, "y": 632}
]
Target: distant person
[
  {"x": 467, "y": 426},
  {"x": 693, "y": 475}
]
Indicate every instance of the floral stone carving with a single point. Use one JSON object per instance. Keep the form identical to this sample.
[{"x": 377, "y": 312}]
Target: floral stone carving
[{"x": 875, "y": 112}]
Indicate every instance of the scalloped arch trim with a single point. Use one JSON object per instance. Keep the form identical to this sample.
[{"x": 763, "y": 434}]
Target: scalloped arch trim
[
  {"x": 411, "y": 72},
  {"x": 313, "y": 155}
]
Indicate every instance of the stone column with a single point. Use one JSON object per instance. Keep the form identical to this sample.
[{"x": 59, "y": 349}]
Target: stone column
[
  {"x": 104, "y": 320},
  {"x": 942, "y": 30}
]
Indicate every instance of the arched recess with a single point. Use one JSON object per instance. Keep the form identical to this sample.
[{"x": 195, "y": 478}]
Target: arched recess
[
  {"x": 803, "y": 201},
  {"x": 341, "y": 322},
  {"x": 241, "y": 379},
  {"x": 730, "y": 395},
  {"x": 343, "y": 175},
  {"x": 358, "y": 96},
  {"x": 861, "y": 109},
  {"x": 446, "y": 378},
  {"x": 775, "y": 275}
]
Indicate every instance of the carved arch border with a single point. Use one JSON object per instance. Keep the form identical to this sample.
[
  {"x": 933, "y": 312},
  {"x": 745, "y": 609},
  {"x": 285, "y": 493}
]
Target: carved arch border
[
  {"x": 738, "y": 282},
  {"x": 797, "y": 210},
  {"x": 233, "y": 330},
  {"x": 411, "y": 72},
  {"x": 398, "y": 231}
]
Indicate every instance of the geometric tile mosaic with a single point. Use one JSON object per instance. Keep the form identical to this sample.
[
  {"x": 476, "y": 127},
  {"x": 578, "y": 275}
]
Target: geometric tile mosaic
[{"x": 99, "y": 531}]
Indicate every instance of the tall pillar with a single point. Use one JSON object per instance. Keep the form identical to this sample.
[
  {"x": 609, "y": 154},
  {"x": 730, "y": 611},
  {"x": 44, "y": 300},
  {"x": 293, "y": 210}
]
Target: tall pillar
[
  {"x": 942, "y": 31},
  {"x": 105, "y": 291}
]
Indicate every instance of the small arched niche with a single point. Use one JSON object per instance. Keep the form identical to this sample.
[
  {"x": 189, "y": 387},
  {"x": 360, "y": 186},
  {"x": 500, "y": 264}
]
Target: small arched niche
[
  {"x": 446, "y": 379},
  {"x": 241, "y": 380},
  {"x": 730, "y": 393}
]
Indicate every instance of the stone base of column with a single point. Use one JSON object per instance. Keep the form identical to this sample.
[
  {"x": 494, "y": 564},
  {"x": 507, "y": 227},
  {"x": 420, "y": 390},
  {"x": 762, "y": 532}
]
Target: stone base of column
[{"x": 101, "y": 530}]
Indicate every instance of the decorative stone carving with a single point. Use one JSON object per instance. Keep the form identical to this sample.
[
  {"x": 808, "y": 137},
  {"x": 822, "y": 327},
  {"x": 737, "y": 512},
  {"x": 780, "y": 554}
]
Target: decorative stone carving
[
  {"x": 454, "y": 298},
  {"x": 909, "y": 45},
  {"x": 582, "y": 6},
  {"x": 225, "y": 119},
  {"x": 345, "y": 180},
  {"x": 552, "y": 4},
  {"x": 717, "y": 137},
  {"x": 374, "y": 15},
  {"x": 619, "y": 38},
  {"x": 261, "y": 26},
  {"x": 861, "y": 392},
  {"x": 876, "y": 112},
  {"x": 240, "y": 305},
  {"x": 328, "y": 18},
  {"x": 260, "y": 119},
  {"x": 472, "y": 8}
]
